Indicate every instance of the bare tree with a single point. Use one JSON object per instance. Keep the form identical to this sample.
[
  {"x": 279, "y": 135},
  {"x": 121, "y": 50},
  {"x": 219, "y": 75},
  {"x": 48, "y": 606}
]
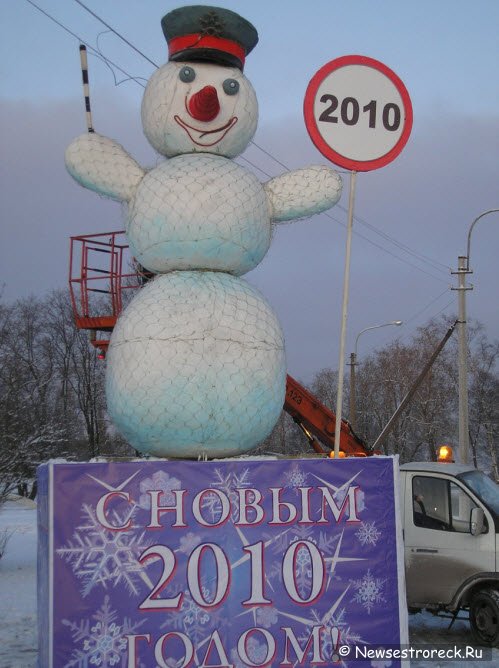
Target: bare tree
[
  {"x": 484, "y": 403},
  {"x": 430, "y": 419},
  {"x": 29, "y": 425}
]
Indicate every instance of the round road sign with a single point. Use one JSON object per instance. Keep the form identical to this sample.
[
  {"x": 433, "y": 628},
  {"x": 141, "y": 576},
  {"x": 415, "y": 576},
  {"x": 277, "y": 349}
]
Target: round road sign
[{"x": 358, "y": 113}]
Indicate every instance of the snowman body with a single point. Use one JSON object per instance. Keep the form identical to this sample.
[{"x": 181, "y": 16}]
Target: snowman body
[
  {"x": 196, "y": 363},
  {"x": 199, "y": 211},
  {"x": 196, "y": 366}
]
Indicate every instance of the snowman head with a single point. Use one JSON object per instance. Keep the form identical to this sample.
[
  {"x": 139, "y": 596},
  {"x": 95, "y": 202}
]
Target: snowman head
[
  {"x": 193, "y": 107},
  {"x": 200, "y": 101}
]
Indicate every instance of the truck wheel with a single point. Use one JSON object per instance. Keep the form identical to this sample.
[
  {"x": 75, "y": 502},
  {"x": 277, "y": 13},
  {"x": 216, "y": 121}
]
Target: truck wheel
[{"x": 484, "y": 617}]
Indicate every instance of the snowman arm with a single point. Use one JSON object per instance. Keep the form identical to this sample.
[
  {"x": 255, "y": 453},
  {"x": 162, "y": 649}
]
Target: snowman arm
[
  {"x": 103, "y": 165},
  {"x": 303, "y": 192}
]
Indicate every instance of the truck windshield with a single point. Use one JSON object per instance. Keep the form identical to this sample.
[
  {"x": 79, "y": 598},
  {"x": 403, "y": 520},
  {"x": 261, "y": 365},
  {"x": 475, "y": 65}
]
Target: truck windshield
[{"x": 484, "y": 487}]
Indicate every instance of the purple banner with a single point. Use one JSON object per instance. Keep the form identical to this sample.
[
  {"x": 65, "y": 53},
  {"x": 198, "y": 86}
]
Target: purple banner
[{"x": 229, "y": 563}]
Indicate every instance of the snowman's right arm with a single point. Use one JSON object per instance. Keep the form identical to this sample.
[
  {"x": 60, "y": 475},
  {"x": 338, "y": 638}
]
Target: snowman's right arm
[{"x": 103, "y": 165}]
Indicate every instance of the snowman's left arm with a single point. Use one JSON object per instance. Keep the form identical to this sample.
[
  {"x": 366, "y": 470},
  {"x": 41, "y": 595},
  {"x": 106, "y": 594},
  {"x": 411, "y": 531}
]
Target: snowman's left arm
[{"x": 303, "y": 192}]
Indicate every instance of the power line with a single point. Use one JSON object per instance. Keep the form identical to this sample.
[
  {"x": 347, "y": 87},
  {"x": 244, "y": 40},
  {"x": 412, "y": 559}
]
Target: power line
[
  {"x": 385, "y": 250},
  {"x": 82, "y": 41},
  {"x": 356, "y": 232},
  {"x": 403, "y": 337},
  {"x": 416, "y": 315},
  {"x": 420, "y": 256},
  {"x": 116, "y": 32},
  {"x": 439, "y": 266}
]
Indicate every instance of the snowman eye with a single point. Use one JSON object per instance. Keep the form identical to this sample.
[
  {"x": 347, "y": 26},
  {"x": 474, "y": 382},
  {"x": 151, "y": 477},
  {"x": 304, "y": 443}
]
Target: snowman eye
[
  {"x": 231, "y": 86},
  {"x": 187, "y": 74}
]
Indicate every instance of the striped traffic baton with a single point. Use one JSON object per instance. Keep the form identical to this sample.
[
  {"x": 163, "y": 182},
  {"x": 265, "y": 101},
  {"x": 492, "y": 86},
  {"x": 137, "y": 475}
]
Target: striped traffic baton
[{"x": 86, "y": 91}]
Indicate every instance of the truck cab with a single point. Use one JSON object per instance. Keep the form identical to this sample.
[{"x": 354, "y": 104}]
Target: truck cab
[{"x": 450, "y": 517}]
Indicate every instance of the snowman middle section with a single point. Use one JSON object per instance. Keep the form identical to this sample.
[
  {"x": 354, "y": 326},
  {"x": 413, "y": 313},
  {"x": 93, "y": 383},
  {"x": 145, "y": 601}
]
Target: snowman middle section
[
  {"x": 196, "y": 366},
  {"x": 199, "y": 211}
]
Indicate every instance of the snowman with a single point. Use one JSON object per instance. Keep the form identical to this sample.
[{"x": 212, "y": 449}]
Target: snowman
[{"x": 196, "y": 364}]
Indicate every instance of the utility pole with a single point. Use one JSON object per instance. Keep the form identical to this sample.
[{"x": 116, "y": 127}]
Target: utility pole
[
  {"x": 463, "y": 268},
  {"x": 464, "y": 441}
]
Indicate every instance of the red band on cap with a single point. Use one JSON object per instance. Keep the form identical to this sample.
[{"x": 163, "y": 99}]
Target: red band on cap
[{"x": 198, "y": 41}]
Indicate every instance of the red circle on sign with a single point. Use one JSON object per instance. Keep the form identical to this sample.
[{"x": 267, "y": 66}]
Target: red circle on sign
[{"x": 311, "y": 121}]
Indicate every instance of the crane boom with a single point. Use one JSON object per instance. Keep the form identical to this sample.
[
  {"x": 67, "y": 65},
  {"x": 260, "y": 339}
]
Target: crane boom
[{"x": 319, "y": 422}]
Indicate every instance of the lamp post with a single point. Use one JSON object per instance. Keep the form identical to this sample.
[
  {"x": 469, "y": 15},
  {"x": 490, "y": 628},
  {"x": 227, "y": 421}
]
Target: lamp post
[
  {"x": 353, "y": 363},
  {"x": 463, "y": 268}
]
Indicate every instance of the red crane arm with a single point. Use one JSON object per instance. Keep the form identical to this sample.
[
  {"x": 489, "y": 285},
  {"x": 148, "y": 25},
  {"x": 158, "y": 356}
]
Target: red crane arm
[{"x": 319, "y": 422}]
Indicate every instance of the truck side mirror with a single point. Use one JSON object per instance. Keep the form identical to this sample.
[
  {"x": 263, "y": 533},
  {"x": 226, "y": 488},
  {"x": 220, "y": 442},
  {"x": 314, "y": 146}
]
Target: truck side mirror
[{"x": 477, "y": 521}]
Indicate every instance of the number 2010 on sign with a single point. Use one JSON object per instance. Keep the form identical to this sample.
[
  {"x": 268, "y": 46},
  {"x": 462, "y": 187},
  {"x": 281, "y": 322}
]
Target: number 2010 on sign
[{"x": 350, "y": 112}]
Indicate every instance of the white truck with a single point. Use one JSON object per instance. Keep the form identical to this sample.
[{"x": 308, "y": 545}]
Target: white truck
[{"x": 450, "y": 519}]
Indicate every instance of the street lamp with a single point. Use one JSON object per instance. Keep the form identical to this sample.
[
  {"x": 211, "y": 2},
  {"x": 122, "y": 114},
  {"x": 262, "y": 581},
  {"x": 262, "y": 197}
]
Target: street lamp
[
  {"x": 353, "y": 363},
  {"x": 463, "y": 268}
]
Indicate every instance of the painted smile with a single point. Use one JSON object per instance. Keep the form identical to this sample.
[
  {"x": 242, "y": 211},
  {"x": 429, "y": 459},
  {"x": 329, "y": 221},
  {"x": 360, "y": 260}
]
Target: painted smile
[{"x": 206, "y": 137}]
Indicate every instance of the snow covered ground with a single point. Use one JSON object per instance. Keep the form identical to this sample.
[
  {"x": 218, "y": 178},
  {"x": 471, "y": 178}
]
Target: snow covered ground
[{"x": 18, "y": 631}]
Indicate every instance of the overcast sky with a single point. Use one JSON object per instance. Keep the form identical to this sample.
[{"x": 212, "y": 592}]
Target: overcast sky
[{"x": 412, "y": 216}]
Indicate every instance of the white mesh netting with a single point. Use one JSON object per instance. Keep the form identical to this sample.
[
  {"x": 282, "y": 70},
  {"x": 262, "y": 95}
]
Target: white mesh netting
[
  {"x": 303, "y": 192},
  {"x": 170, "y": 128},
  {"x": 196, "y": 367},
  {"x": 199, "y": 211},
  {"x": 103, "y": 165}
]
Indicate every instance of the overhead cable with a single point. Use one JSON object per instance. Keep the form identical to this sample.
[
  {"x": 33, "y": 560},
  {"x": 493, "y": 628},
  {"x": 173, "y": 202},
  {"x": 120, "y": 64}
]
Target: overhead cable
[
  {"x": 359, "y": 234},
  {"x": 82, "y": 41},
  {"x": 420, "y": 256},
  {"x": 116, "y": 33}
]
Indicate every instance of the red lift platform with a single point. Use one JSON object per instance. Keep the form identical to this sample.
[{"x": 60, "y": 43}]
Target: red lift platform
[{"x": 102, "y": 275}]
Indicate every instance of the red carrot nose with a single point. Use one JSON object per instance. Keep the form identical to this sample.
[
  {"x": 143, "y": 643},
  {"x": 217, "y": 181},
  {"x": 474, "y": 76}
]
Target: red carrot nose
[{"x": 204, "y": 105}]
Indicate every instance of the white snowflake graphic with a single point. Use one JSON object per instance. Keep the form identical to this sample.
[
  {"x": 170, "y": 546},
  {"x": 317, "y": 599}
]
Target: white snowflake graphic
[
  {"x": 194, "y": 616},
  {"x": 335, "y": 625},
  {"x": 99, "y": 556},
  {"x": 303, "y": 571},
  {"x": 368, "y": 534},
  {"x": 295, "y": 477},
  {"x": 102, "y": 641},
  {"x": 160, "y": 480},
  {"x": 369, "y": 591},
  {"x": 327, "y": 542},
  {"x": 256, "y": 651},
  {"x": 266, "y": 616},
  {"x": 189, "y": 542},
  {"x": 227, "y": 483},
  {"x": 193, "y": 620}
]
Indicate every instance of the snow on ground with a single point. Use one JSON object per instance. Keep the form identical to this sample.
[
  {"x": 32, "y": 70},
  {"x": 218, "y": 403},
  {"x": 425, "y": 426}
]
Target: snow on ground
[{"x": 18, "y": 630}]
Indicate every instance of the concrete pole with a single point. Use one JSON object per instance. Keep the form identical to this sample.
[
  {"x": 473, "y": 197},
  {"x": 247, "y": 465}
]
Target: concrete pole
[
  {"x": 464, "y": 444},
  {"x": 353, "y": 409},
  {"x": 463, "y": 268}
]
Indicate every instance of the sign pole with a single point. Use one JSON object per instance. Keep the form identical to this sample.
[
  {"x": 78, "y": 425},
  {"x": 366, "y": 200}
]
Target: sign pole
[
  {"x": 358, "y": 114},
  {"x": 344, "y": 315}
]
